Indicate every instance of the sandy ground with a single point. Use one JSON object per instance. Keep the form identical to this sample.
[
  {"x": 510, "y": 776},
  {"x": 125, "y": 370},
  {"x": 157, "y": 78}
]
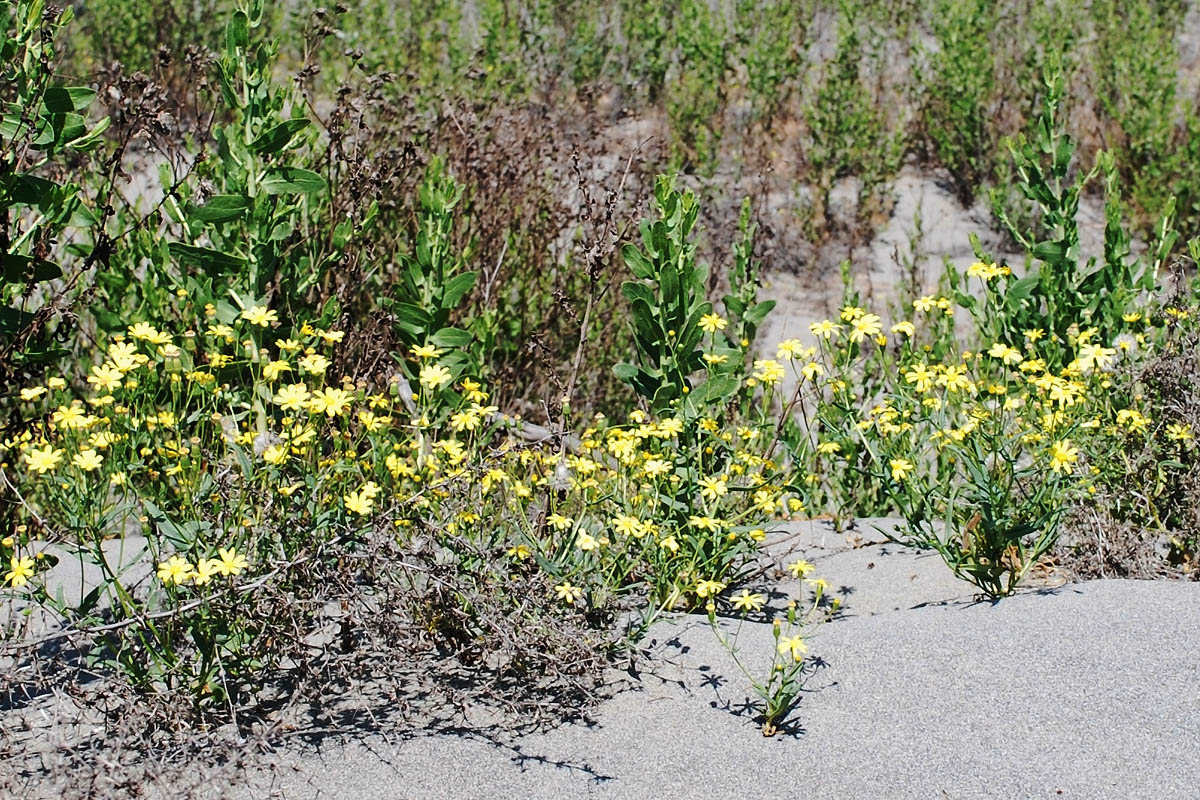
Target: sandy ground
[{"x": 1076, "y": 690}]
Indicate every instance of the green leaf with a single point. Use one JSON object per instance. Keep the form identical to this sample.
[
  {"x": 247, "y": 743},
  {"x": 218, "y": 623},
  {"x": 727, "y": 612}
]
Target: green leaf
[
  {"x": 638, "y": 264},
  {"x": 220, "y": 208},
  {"x": 411, "y": 318},
  {"x": 451, "y": 337},
  {"x": 1021, "y": 289},
  {"x": 278, "y": 137},
  {"x": 757, "y": 314},
  {"x": 291, "y": 180},
  {"x": 61, "y": 99},
  {"x": 237, "y": 32},
  {"x": 213, "y": 262},
  {"x": 456, "y": 287},
  {"x": 18, "y": 269},
  {"x": 625, "y": 372}
]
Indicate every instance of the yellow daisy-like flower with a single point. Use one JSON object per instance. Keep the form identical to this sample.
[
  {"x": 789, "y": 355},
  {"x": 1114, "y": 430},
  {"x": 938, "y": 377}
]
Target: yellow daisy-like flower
[
  {"x": 789, "y": 348},
  {"x": 21, "y": 571},
  {"x": 174, "y": 570},
  {"x": 793, "y": 646},
  {"x": 43, "y": 460},
  {"x": 260, "y": 315},
  {"x": 706, "y": 588},
  {"x": 826, "y": 329},
  {"x": 768, "y": 371},
  {"x": 1179, "y": 432},
  {"x": 800, "y": 568},
  {"x": 230, "y": 562},
  {"x": 106, "y": 378},
  {"x": 87, "y": 460},
  {"x": 901, "y": 467},
  {"x": 330, "y": 402},
  {"x": 904, "y": 328},
  {"x": 314, "y": 364},
  {"x": 749, "y": 602},
  {"x": 559, "y": 522},
  {"x": 32, "y": 393},
  {"x": 206, "y": 568},
  {"x": 434, "y": 376},
  {"x": 1063, "y": 455},
  {"x": 568, "y": 593},
  {"x": 864, "y": 326},
  {"x": 425, "y": 351},
  {"x": 711, "y": 323},
  {"x": 293, "y": 397},
  {"x": 274, "y": 369}
]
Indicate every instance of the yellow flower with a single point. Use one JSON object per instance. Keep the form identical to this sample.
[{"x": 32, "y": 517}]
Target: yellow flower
[
  {"x": 55, "y": 383},
  {"x": 789, "y": 348},
  {"x": 749, "y": 602},
  {"x": 905, "y": 328},
  {"x": 425, "y": 351},
  {"x": 20, "y": 573},
  {"x": 275, "y": 454},
  {"x": 713, "y": 488},
  {"x": 465, "y": 420},
  {"x": 559, "y": 522},
  {"x": 519, "y": 551},
  {"x": 293, "y": 397},
  {"x": 900, "y": 468},
  {"x": 954, "y": 378},
  {"x": 768, "y": 371},
  {"x": 1179, "y": 432},
  {"x": 922, "y": 376},
  {"x": 567, "y": 593},
  {"x": 825, "y": 329},
  {"x": 32, "y": 393},
  {"x": 331, "y": 337},
  {"x": 627, "y": 525},
  {"x": 148, "y": 333},
  {"x": 711, "y": 323},
  {"x": 925, "y": 304},
  {"x": 799, "y": 568},
  {"x": 106, "y": 378},
  {"x": 1132, "y": 420},
  {"x": 713, "y": 359},
  {"x": 819, "y": 584},
  {"x": 864, "y": 326},
  {"x": 260, "y": 315},
  {"x": 656, "y": 467},
  {"x": 793, "y": 646},
  {"x": 274, "y": 369},
  {"x": 586, "y": 542},
  {"x": 851, "y": 313},
  {"x": 330, "y": 402},
  {"x": 704, "y": 523},
  {"x": 705, "y": 588},
  {"x": 87, "y": 460},
  {"x": 1006, "y": 354},
  {"x": 1033, "y": 334},
  {"x": 1063, "y": 455},
  {"x": 175, "y": 570},
  {"x": 230, "y": 561},
  {"x": 812, "y": 370},
  {"x": 205, "y": 569},
  {"x": 434, "y": 376},
  {"x": 43, "y": 460},
  {"x": 314, "y": 364}
]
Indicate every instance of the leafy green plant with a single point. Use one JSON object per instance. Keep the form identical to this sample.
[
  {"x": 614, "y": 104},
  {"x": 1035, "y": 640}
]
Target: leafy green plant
[
  {"x": 848, "y": 135},
  {"x": 780, "y": 689},
  {"x": 956, "y": 82},
  {"x": 1062, "y": 293},
  {"x": 667, "y": 306},
  {"x": 43, "y": 128},
  {"x": 431, "y": 282}
]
